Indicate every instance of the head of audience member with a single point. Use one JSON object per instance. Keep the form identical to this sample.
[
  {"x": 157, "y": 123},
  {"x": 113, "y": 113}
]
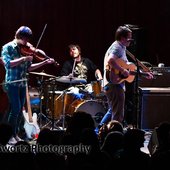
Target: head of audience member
[
  {"x": 111, "y": 126},
  {"x": 115, "y": 125},
  {"x": 45, "y": 137},
  {"x": 79, "y": 121},
  {"x": 113, "y": 142},
  {"x": 134, "y": 139},
  {"x": 163, "y": 134}
]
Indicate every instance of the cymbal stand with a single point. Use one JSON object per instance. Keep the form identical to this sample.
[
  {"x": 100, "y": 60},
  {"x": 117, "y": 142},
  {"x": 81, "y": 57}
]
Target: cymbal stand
[
  {"x": 42, "y": 116},
  {"x": 53, "y": 104},
  {"x": 64, "y": 100},
  {"x": 51, "y": 121},
  {"x": 63, "y": 94}
]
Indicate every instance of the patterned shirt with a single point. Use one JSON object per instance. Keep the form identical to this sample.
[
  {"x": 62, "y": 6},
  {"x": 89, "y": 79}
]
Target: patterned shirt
[
  {"x": 84, "y": 69},
  {"x": 10, "y": 51}
]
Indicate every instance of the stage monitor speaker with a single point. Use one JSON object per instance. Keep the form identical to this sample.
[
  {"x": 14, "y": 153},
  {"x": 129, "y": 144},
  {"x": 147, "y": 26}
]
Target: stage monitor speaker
[{"x": 154, "y": 107}]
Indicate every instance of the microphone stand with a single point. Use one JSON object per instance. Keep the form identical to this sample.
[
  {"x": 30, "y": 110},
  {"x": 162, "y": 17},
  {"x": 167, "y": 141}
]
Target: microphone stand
[
  {"x": 136, "y": 92},
  {"x": 145, "y": 69}
]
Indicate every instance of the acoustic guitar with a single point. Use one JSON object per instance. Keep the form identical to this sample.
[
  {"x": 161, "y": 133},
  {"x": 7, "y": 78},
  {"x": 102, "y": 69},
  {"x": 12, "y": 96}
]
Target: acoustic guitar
[
  {"x": 31, "y": 126},
  {"x": 116, "y": 77}
]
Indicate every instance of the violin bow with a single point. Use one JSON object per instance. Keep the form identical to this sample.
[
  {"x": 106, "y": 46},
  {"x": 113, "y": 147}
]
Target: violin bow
[{"x": 45, "y": 26}]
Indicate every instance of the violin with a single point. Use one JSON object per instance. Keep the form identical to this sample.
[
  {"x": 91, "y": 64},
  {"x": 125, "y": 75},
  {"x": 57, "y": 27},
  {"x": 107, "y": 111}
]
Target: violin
[{"x": 36, "y": 53}]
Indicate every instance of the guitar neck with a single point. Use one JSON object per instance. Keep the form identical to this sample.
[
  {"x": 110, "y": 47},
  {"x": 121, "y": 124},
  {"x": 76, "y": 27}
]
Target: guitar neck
[
  {"x": 28, "y": 105},
  {"x": 140, "y": 73},
  {"x": 146, "y": 69},
  {"x": 132, "y": 72}
]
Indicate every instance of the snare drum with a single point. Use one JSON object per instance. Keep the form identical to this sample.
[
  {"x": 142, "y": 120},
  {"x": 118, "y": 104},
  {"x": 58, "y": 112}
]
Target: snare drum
[{"x": 57, "y": 102}]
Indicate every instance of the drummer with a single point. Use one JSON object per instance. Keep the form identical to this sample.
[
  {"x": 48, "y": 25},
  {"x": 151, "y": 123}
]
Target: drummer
[{"x": 80, "y": 67}]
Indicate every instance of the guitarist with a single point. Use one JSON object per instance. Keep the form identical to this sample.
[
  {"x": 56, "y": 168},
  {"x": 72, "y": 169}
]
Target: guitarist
[
  {"x": 115, "y": 92},
  {"x": 17, "y": 65}
]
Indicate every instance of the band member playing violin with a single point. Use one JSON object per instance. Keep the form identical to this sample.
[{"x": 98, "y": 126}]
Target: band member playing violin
[{"x": 17, "y": 64}]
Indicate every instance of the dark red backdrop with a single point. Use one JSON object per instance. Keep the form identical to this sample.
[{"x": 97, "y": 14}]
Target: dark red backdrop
[{"x": 92, "y": 24}]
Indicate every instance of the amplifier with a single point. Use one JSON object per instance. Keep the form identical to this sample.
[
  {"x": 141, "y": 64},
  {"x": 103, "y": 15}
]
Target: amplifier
[
  {"x": 154, "y": 90},
  {"x": 161, "y": 78},
  {"x": 154, "y": 107},
  {"x": 160, "y": 69}
]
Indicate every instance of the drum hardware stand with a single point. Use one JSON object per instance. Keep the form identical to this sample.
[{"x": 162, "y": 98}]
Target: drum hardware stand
[
  {"x": 64, "y": 96},
  {"x": 41, "y": 114},
  {"x": 52, "y": 121},
  {"x": 53, "y": 114},
  {"x": 64, "y": 99}
]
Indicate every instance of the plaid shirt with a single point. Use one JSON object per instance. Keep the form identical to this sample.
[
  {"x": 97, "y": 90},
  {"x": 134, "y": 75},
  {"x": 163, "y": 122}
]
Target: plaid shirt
[{"x": 10, "y": 51}]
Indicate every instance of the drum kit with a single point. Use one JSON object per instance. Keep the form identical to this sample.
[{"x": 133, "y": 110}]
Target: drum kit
[{"x": 55, "y": 104}]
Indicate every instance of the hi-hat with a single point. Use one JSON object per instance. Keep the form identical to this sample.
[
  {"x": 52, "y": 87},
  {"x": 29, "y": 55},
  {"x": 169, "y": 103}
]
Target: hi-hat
[
  {"x": 42, "y": 74},
  {"x": 74, "y": 80}
]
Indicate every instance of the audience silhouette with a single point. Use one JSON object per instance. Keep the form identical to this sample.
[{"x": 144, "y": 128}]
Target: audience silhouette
[{"x": 113, "y": 146}]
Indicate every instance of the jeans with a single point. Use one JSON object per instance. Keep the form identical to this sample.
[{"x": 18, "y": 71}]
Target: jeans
[
  {"x": 17, "y": 96},
  {"x": 116, "y": 98}
]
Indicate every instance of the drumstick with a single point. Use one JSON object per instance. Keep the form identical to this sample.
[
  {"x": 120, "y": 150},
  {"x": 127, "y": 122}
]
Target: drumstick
[{"x": 73, "y": 67}]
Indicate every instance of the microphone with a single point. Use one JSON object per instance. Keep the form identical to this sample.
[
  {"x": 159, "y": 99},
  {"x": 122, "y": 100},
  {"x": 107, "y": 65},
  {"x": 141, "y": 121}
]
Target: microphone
[{"x": 130, "y": 39}]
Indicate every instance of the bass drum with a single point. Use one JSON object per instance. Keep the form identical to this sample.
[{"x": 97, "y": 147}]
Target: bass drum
[{"x": 93, "y": 107}]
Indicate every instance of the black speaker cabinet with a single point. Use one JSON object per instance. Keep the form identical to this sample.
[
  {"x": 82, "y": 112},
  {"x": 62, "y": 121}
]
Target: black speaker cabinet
[{"x": 154, "y": 107}]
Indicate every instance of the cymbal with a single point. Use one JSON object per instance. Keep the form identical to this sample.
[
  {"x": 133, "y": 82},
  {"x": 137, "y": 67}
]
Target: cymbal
[
  {"x": 42, "y": 74},
  {"x": 74, "y": 80}
]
